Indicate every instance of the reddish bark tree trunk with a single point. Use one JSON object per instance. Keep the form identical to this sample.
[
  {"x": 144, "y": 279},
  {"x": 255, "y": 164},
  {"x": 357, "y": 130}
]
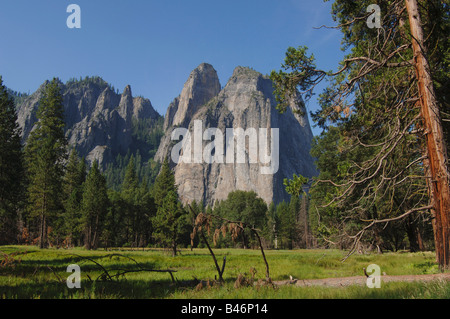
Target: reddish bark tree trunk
[{"x": 435, "y": 144}]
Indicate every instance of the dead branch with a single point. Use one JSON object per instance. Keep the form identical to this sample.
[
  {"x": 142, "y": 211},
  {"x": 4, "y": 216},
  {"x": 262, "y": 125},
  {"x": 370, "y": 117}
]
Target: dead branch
[
  {"x": 106, "y": 275},
  {"x": 219, "y": 271},
  {"x": 243, "y": 225},
  {"x": 359, "y": 235},
  {"x": 204, "y": 221}
]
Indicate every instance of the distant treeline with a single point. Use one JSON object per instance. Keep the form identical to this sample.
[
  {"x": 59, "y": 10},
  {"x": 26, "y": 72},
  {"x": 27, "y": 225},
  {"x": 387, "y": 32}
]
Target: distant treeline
[{"x": 52, "y": 198}]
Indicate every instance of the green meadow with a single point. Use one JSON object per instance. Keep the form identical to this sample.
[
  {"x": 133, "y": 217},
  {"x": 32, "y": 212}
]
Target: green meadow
[{"x": 30, "y": 273}]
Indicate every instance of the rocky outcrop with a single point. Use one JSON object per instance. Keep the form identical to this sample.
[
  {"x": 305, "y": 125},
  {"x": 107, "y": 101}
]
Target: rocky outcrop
[
  {"x": 246, "y": 102},
  {"x": 202, "y": 85},
  {"x": 99, "y": 121}
]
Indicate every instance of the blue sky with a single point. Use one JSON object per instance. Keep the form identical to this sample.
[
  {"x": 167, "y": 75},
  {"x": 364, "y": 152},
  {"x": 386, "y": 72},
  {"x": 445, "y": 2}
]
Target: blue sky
[{"x": 153, "y": 45}]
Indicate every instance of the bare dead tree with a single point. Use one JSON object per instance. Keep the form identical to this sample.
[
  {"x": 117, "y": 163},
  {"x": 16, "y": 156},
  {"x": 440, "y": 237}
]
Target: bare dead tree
[
  {"x": 235, "y": 228},
  {"x": 201, "y": 222}
]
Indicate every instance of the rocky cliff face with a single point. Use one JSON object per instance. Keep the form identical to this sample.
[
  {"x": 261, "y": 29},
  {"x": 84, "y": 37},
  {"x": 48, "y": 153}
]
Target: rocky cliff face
[
  {"x": 246, "y": 103},
  {"x": 99, "y": 122},
  {"x": 201, "y": 86}
]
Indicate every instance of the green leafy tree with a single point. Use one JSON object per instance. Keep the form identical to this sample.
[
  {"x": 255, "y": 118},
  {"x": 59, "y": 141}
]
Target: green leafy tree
[
  {"x": 11, "y": 167},
  {"x": 95, "y": 206},
  {"x": 295, "y": 186},
  {"x": 246, "y": 207},
  {"x": 46, "y": 151}
]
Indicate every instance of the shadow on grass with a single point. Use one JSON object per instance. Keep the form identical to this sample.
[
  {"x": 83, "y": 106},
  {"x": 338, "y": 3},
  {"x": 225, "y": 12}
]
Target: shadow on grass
[
  {"x": 57, "y": 269},
  {"x": 121, "y": 289},
  {"x": 37, "y": 280}
]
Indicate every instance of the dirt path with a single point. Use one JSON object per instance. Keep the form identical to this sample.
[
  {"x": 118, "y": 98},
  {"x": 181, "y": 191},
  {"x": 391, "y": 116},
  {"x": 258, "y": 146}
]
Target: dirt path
[{"x": 361, "y": 280}]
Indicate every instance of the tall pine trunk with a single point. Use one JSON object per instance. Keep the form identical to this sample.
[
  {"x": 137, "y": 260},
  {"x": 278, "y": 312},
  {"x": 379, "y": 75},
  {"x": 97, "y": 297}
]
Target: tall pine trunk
[
  {"x": 174, "y": 244},
  {"x": 305, "y": 216},
  {"x": 42, "y": 233},
  {"x": 435, "y": 144}
]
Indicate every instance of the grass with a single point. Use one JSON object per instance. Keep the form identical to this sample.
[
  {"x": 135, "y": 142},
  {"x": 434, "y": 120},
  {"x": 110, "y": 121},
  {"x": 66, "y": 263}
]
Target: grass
[
  {"x": 42, "y": 274},
  {"x": 434, "y": 290}
]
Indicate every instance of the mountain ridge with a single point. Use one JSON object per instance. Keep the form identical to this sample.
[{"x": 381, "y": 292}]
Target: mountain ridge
[
  {"x": 245, "y": 102},
  {"x": 103, "y": 125},
  {"x": 98, "y": 120}
]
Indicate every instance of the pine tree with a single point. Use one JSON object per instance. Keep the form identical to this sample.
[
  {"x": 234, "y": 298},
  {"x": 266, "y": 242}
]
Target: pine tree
[
  {"x": 73, "y": 194},
  {"x": 295, "y": 188},
  {"x": 272, "y": 225},
  {"x": 45, "y": 155},
  {"x": 129, "y": 195},
  {"x": 146, "y": 212},
  {"x": 131, "y": 180},
  {"x": 169, "y": 221},
  {"x": 284, "y": 229},
  {"x": 303, "y": 218},
  {"x": 11, "y": 168},
  {"x": 139, "y": 206},
  {"x": 171, "y": 218},
  {"x": 164, "y": 183},
  {"x": 113, "y": 230},
  {"x": 95, "y": 205},
  {"x": 388, "y": 100}
]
